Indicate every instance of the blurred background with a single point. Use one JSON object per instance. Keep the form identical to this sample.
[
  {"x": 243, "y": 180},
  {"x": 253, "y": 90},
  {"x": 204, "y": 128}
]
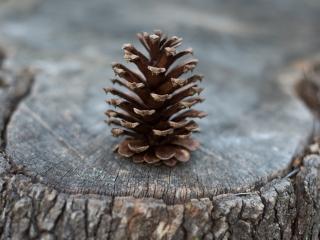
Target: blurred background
[
  {"x": 239, "y": 35},
  {"x": 233, "y": 39},
  {"x": 239, "y": 43}
]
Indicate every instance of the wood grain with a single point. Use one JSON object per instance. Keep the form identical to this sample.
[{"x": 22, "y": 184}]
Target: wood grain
[{"x": 250, "y": 136}]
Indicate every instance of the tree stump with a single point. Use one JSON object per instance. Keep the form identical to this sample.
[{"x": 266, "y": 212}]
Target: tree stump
[{"x": 252, "y": 178}]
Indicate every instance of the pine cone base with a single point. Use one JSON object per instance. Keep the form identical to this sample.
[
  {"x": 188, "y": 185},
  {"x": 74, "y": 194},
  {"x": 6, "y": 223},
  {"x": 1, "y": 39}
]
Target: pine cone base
[{"x": 169, "y": 154}]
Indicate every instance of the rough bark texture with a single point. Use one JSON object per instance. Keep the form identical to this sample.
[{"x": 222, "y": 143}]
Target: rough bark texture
[
  {"x": 58, "y": 178},
  {"x": 285, "y": 208}
]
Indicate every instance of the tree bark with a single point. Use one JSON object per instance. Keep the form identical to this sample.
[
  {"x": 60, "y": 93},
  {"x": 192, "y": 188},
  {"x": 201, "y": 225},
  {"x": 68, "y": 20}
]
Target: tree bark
[
  {"x": 285, "y": 208},
  {"x": 256, "y": 175}
]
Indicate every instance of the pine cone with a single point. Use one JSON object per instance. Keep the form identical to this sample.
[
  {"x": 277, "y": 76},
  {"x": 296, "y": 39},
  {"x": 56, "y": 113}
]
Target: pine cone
[
  {"x": 155, "y": 112},
  {"x": 308, "y": 89}
]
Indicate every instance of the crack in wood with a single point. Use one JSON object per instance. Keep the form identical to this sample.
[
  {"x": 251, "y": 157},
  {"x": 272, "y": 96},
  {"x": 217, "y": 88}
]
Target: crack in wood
[
  {"x": 63, "y": 142},
  {"x": 24, "y": 82}
]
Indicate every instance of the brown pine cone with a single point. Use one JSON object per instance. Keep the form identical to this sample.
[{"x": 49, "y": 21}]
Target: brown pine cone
[
  {"x": 155, "y": 111},
  {"x": 308, "y": 89}
]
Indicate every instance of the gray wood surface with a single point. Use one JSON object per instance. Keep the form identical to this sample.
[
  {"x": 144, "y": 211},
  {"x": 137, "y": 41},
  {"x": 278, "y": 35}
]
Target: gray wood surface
[
  {"x": 252, "y": 131},
  {"x": 59, "y": 177}
]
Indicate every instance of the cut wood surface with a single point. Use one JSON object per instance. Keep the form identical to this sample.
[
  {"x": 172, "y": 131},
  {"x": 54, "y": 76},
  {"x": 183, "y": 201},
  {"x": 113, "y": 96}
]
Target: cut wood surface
[{"x": 59, "y": 176}]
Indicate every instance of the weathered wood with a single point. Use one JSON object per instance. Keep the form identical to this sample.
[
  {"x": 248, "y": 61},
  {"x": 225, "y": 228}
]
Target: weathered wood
[
  {"x": 250, "y": 136},
  {"x": 282, "y": 209},
  {"x": 14, "y": 86},
  {"x": 59, "y": 178}
]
